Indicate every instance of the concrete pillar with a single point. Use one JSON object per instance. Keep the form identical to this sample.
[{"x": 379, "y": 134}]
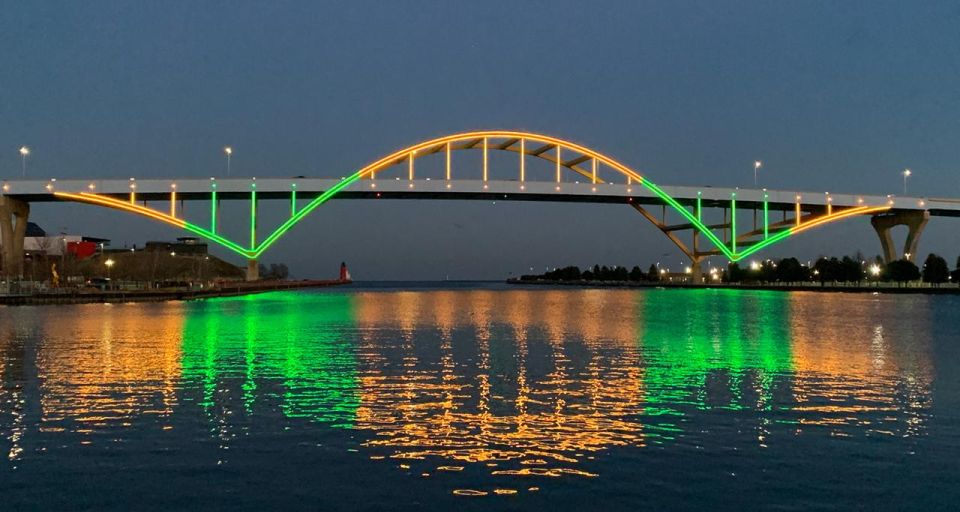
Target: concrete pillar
[
  {"x": 915, "y": 222},
  {"x": 253, "y": 270},
  {"x": 697, "y": 271},
  {"x": 13, "y": 228}
]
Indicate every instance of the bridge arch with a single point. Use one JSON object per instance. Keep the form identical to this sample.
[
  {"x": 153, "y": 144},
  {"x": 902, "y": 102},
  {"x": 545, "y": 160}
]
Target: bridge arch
[{"x": 580, "y": 159}]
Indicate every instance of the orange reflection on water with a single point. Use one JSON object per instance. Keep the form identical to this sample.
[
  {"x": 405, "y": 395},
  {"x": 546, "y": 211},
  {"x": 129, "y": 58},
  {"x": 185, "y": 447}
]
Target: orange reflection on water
[
  {"x": 489, "y": 395},
  {"x": 117, "y": 365},
  {"x": 847, "y": 371}
]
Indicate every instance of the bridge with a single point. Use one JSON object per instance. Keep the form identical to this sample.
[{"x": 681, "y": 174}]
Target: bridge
[{"x": 701, "y": 221}]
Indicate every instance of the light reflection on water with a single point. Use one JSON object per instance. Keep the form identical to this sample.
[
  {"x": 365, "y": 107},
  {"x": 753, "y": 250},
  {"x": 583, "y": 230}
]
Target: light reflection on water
[{"x": 509, "y": 390}]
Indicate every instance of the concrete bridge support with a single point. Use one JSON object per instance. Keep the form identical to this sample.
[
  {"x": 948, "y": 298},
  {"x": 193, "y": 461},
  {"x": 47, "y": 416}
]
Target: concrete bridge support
[
  {"x": 915, "y": 222},
  {"x": 253, "y": 270},
  {"x": 13, "y": 229},
  {"x": 696, "y": 273}
]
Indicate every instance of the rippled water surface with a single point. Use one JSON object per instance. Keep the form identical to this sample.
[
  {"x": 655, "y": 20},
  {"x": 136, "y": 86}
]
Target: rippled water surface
[{"x": 484, "y": 398}]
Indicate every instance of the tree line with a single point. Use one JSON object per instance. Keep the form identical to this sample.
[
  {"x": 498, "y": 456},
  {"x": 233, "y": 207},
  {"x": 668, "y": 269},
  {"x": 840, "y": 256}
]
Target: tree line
[{"x": 848, "y": 269}]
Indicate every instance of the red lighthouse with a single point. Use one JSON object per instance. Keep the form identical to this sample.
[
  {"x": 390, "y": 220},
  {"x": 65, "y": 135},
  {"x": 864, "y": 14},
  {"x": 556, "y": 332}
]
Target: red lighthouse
[{"x": 344, "y": 273}]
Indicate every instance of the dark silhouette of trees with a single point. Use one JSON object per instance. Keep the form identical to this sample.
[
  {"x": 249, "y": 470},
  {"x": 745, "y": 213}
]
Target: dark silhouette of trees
[
  {"x": 652, "y": 273},
  {"x": 935, "y": 270},
  {"x": 790, "y": 270},
  {"x": 901, "y": 271},
  {"x": 734, "y": 274},
  {"x": 636, "y": 274}
]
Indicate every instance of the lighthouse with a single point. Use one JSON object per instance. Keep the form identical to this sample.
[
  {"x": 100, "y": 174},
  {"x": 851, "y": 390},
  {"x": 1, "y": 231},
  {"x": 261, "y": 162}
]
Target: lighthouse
[{"x": 344, "y": 273}]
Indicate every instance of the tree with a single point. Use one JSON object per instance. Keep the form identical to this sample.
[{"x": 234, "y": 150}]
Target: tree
[
  {"x": 935, "y": 270},
  {"x": 636, "y": 274},
  {"x": 734, "y": 273},
  {"x": 851, "y": 270},
  {"x": 827, "y": 269},
  {"x": 901, "y": 271},
  {"x": 790, "y": 270},
  {"x": 652, "y": 273}
]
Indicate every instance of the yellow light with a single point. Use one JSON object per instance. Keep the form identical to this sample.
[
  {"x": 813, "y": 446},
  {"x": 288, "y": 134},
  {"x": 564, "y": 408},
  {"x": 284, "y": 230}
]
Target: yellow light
[
  {"x": 448, "y": 161},
  {"x": 410, "y": 166},
  {"x": 875, "y": 270},
  {"x": 558, "y": 165},
  {"x": 228, "y": 150},
  {"x": 754, "y": 265},
  {"x": 24, "y": 150},
  {"x": 91, "y": 186},
  {"x": 523, "y": 160},
  {"x": 6, "y": 187},
  {"x": 485, "y": 163},
  {"x": 906, "y": 172},
  {"x": 757, "y": 164},
  {"x": 109, "y": 263}
]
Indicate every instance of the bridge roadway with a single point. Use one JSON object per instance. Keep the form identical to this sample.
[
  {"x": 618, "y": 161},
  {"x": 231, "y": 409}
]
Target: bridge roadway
[
  {"x": 807, "y": 209},
  {"x": 34, "y": 191}
]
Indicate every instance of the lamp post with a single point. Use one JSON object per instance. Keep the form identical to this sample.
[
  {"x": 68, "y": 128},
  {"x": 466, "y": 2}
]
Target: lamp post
[
  {"x": 756, "y": 167},
  {"x": 109, "y": 263},
  {"x": 906, "y": 174},
  {"x": 24, "y": 151},
  {"x": 228, "y": 151}
]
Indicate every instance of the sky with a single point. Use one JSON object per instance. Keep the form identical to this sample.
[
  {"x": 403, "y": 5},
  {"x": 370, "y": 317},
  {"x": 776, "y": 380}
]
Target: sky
[{"x": 831, "y": 96}]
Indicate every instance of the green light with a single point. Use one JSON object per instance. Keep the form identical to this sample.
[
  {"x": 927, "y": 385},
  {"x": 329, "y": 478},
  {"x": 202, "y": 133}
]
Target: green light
[
  {"x": 213, "y": 209},
  {"x": 253, "y": 217},
  {"x": 293, "y": 200},
  {"x": 293, "y": 351},
  {"x": 766, "y": 217},
  {"x": 733, "y": 222},
  {"x": 692, "y": 218},
  {"x": 699, "y": 209},
  {"x": 312, "y": 205},
  {"x": 217, "y": 238},
  {"x": 692, "y": 337}
]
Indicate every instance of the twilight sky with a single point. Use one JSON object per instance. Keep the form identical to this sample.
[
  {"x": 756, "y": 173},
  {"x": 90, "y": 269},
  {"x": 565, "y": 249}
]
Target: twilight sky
[{"x": 832, "y": 96}]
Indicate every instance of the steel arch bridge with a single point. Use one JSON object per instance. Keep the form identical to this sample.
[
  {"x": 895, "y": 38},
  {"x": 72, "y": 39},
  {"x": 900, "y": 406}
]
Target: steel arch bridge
[{"x": 596, "y": 178}]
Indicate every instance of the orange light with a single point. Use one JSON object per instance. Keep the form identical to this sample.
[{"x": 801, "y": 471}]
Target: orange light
[{"x": 523, "y": 161}]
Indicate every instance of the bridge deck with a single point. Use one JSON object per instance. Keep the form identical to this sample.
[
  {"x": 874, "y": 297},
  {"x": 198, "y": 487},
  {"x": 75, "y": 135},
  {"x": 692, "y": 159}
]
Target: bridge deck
[{"x": 307, "y": 188}]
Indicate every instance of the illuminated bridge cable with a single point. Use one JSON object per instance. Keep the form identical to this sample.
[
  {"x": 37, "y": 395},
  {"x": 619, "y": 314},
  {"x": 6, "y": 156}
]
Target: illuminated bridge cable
[{"x": 472, "y": 140}]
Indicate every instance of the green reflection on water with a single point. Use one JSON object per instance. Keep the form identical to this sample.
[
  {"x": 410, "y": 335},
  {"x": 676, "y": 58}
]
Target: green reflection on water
[
  {"x": 691, "y": 337},
  {"x": 294, "y": 343}
]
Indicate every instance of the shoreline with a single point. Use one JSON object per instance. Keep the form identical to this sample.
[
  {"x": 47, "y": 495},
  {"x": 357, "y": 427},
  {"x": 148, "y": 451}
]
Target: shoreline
[
  {"x": 813, "y": 287},
  {"x": 161, "y": 295}
]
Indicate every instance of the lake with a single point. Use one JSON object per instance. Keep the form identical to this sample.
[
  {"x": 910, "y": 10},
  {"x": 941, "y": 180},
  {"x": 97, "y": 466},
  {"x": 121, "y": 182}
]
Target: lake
[{"x": 482, "y": 396}]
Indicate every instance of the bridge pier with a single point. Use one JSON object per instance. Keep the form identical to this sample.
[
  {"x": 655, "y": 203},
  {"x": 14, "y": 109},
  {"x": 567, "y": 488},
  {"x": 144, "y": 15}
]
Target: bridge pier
[
  {"x": 915, "y": 222},
  {"x": 13, "y": 229},
  {"x": 253, "y": 270},
  {"x": 696, "y": 273}
]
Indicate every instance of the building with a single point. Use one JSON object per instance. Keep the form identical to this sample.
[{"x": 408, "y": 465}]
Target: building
[
  {"x": 183, "y": 245},
  {"x": 38, "y": 242}
]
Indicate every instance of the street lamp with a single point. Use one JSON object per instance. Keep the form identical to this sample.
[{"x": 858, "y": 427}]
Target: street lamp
[
  {"x": 109, "y": 263},
  {"x": 756, "y": 167},
  {"x": 228, "y": 151},
  {"x": 906, "y": 174},
  {"x": 24, "y": 151}
]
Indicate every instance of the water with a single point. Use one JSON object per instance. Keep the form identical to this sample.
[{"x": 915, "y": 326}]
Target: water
[{"x": 484, "y": 397}]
